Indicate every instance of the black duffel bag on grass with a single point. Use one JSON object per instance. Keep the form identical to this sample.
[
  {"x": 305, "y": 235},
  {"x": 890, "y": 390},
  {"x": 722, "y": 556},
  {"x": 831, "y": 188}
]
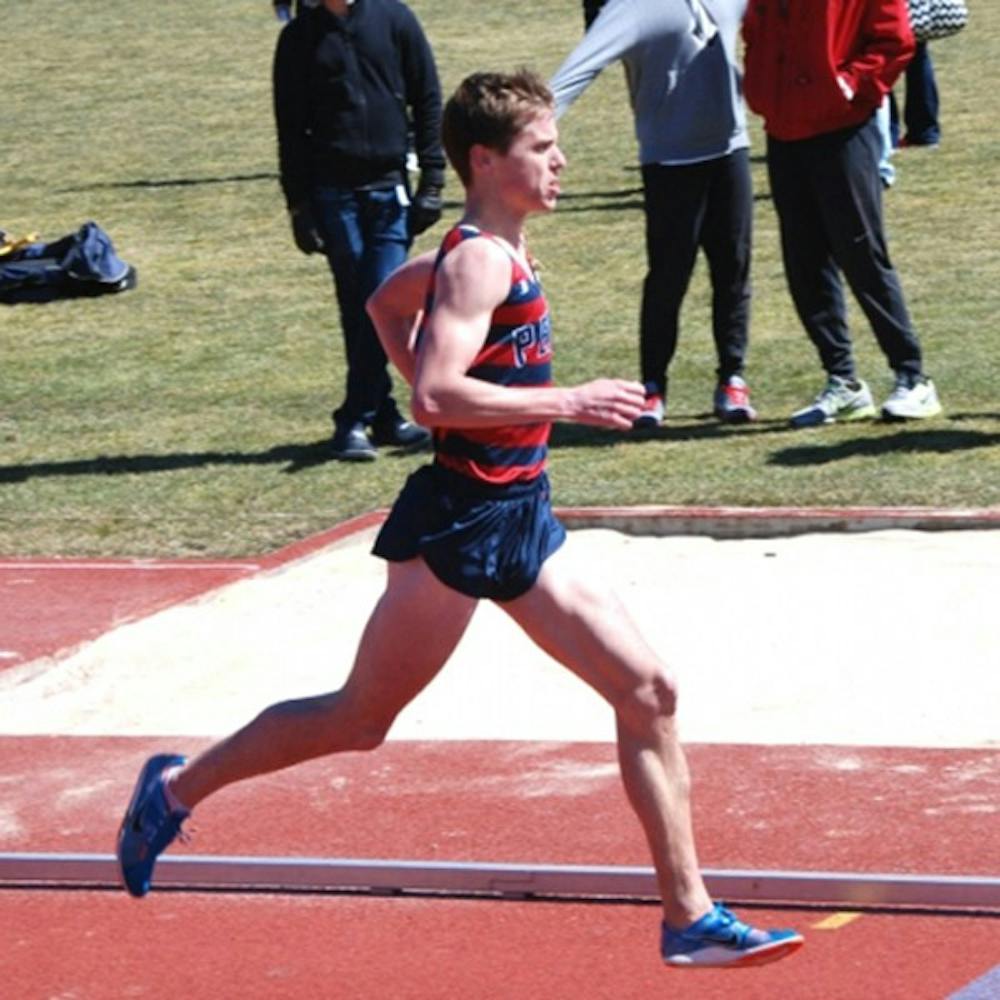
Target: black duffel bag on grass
[{"x": 82, "y": 263}]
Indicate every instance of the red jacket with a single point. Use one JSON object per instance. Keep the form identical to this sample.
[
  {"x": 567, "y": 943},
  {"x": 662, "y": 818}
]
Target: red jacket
[{"x": 797, "y": 49}]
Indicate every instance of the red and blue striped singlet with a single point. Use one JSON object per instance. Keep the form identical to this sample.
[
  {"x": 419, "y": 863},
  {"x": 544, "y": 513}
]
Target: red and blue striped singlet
[{"x": 517, "y": 352}]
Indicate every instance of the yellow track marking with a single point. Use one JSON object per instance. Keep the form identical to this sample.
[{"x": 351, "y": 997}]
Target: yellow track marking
[{"x": 835, "y": 921}]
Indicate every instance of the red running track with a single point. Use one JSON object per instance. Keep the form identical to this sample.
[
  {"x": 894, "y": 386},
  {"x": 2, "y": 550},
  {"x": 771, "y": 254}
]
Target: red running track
[
  {"x": 864, "y": 809},
  {"x": 826, "y": 808},
  {"x": 790, "y": 808},
  {"x": 51, "y": 605},
  {"x": 99, "y": 946}
]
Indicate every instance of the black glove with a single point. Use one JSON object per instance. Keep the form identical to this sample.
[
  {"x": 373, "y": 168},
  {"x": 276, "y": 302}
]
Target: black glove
[
  {"x": 305, "y": 230},
  {"x": 425, "y": 209}
]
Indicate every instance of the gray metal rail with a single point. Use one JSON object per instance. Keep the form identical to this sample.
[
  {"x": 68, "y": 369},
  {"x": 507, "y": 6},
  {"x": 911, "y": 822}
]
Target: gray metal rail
[{"x": 836, "y": 889}]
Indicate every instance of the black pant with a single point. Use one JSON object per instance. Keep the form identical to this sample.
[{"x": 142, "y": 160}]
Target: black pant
[
  {"x": 706, "y": 205},
  {"x": 591, "y": 8},
  {"x": 920, "y": 107},
  {"x": 828, "y": 196}
]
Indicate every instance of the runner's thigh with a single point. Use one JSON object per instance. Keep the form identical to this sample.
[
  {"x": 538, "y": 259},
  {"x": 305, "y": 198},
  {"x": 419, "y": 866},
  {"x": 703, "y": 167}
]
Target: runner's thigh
[
  {"x": 409, "y": 637},
  {"x": 579, "y": 621}
]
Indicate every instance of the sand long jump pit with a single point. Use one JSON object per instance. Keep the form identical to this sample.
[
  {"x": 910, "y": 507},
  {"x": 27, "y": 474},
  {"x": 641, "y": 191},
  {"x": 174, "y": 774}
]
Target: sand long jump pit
[{"x": 878, "y": 637}]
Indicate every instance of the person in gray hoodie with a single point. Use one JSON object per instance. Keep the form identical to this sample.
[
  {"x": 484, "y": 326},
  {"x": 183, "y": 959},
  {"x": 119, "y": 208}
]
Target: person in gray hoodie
[{"x": 685, "y": 87}]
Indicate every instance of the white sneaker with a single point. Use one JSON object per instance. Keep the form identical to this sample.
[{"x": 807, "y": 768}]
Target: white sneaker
[
  {"x": 912, "y": 402},
  {"x": 653, "y": 411},
  {"x": 841, "y": 399}
]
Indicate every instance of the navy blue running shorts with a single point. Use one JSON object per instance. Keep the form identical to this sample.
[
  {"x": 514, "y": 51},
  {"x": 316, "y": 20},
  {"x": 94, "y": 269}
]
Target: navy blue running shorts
[{"x": 481, "y": 540}]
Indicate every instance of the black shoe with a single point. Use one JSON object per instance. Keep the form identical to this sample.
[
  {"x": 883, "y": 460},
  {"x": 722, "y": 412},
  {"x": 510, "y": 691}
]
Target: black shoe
[
  {"x": 350, "y": 444},
  {"x": 401, "y": 434}
]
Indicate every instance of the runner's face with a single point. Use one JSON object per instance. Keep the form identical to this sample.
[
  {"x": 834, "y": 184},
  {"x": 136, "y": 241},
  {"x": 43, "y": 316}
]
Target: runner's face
[{"x": 531, "y": 167}]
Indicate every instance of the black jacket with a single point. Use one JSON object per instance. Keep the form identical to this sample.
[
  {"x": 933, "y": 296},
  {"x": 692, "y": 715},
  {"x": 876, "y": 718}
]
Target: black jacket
[{"x": 344, "y": 89}]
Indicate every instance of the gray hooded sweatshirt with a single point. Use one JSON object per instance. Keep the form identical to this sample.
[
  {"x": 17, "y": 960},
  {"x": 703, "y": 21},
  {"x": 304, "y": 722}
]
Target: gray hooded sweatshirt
[{"x": 685, "y": 83}]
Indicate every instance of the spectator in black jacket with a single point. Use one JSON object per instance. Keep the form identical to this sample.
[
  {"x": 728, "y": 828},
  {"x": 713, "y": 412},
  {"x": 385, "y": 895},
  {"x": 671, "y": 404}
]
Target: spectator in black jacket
[{"x": 348, "y": 77}]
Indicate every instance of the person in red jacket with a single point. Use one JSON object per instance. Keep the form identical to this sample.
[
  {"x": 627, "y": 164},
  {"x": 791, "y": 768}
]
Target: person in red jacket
[{"x": 816, "y": 71}]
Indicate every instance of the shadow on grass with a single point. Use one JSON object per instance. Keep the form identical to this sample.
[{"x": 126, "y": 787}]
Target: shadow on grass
[
  {"x": 939, "y": 441},
  {"x": 170, "y": 182},
  {"x": 296, "y": 457},
  {"x": 630, "y": 198},
  {"x": 695, "y": 428},
  {"x": 957, "y": 418},
  {"x": 607, "y": 201}
]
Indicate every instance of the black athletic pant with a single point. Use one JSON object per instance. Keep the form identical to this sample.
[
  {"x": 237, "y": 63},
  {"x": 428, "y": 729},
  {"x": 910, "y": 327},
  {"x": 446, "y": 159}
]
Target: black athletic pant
[
  {"x": 707, "y": 205},
  {"x": 828, "y": 196},
  {"x": 591, "y": 8}
]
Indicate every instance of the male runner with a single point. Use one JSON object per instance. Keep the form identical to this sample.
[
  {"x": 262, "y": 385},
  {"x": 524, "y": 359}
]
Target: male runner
[{"x": 477, "y": 523}]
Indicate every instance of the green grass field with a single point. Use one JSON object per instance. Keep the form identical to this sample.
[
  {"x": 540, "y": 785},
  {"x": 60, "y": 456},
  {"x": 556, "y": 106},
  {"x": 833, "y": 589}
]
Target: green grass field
[{"x": 190, "y": 416}]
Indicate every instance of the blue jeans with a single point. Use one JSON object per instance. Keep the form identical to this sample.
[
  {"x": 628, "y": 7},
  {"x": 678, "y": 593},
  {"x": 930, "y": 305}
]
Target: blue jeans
[{"x": 366, "y": 239}]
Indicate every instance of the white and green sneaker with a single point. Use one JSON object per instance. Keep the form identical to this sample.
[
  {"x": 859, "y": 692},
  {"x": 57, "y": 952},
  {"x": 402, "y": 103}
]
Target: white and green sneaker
[
  {"x": 912, "y": 399},
  {"x": 841, "y": 400}
]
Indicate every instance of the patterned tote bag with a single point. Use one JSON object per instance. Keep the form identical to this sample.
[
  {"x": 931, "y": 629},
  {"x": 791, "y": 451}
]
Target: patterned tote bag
[{"x": 937, "y": 18}]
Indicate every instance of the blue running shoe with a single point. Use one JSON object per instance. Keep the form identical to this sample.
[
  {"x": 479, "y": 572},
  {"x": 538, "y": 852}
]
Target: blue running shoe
[
  {"x": 149, "y": 826},
  {"x": 720, "y": 939}
]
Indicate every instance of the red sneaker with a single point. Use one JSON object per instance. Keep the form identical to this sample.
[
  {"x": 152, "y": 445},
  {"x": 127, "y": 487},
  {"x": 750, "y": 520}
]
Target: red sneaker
[{"x": 731, "y": 402}]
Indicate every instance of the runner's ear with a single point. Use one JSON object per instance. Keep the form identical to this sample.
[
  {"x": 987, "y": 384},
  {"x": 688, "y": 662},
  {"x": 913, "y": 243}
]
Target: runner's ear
[{"x": 481, "y": 157}]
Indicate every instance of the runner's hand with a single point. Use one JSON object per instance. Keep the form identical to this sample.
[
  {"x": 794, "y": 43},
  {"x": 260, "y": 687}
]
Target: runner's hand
[{"x": 608, "y": 402}]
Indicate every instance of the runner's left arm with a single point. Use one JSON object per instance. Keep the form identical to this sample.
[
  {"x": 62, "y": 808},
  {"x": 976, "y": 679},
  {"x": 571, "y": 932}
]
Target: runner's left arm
[{"x": 396, "y": 309}]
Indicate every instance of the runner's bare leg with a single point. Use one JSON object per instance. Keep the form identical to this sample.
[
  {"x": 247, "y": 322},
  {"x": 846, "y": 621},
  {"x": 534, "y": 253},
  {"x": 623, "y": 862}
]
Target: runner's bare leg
[
  {"x": 584, "y": 626},
  {"x": 412, "y": 631}
]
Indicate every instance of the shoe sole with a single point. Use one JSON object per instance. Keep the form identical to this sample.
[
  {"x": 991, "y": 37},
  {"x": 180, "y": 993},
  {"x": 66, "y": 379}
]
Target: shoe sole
[
  {"x": 863, "y": 413},
  {"x": 736, "y": 417},
  {"x": 764, "y": 955},
  {"x": 645, "y": 424},
  {"x": 355, "y": 456},
  {"x": 901, "y": 418}
]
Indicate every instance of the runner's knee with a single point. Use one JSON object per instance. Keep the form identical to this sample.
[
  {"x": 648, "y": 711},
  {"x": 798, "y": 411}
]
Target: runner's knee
[
  {"x": 651, "y": 703},
  {"x": 335, "y": 723}
]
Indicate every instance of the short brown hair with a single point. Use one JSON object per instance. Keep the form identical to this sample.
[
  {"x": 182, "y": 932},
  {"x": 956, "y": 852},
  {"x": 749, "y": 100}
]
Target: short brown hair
[{"x": 489, "y": 109}]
